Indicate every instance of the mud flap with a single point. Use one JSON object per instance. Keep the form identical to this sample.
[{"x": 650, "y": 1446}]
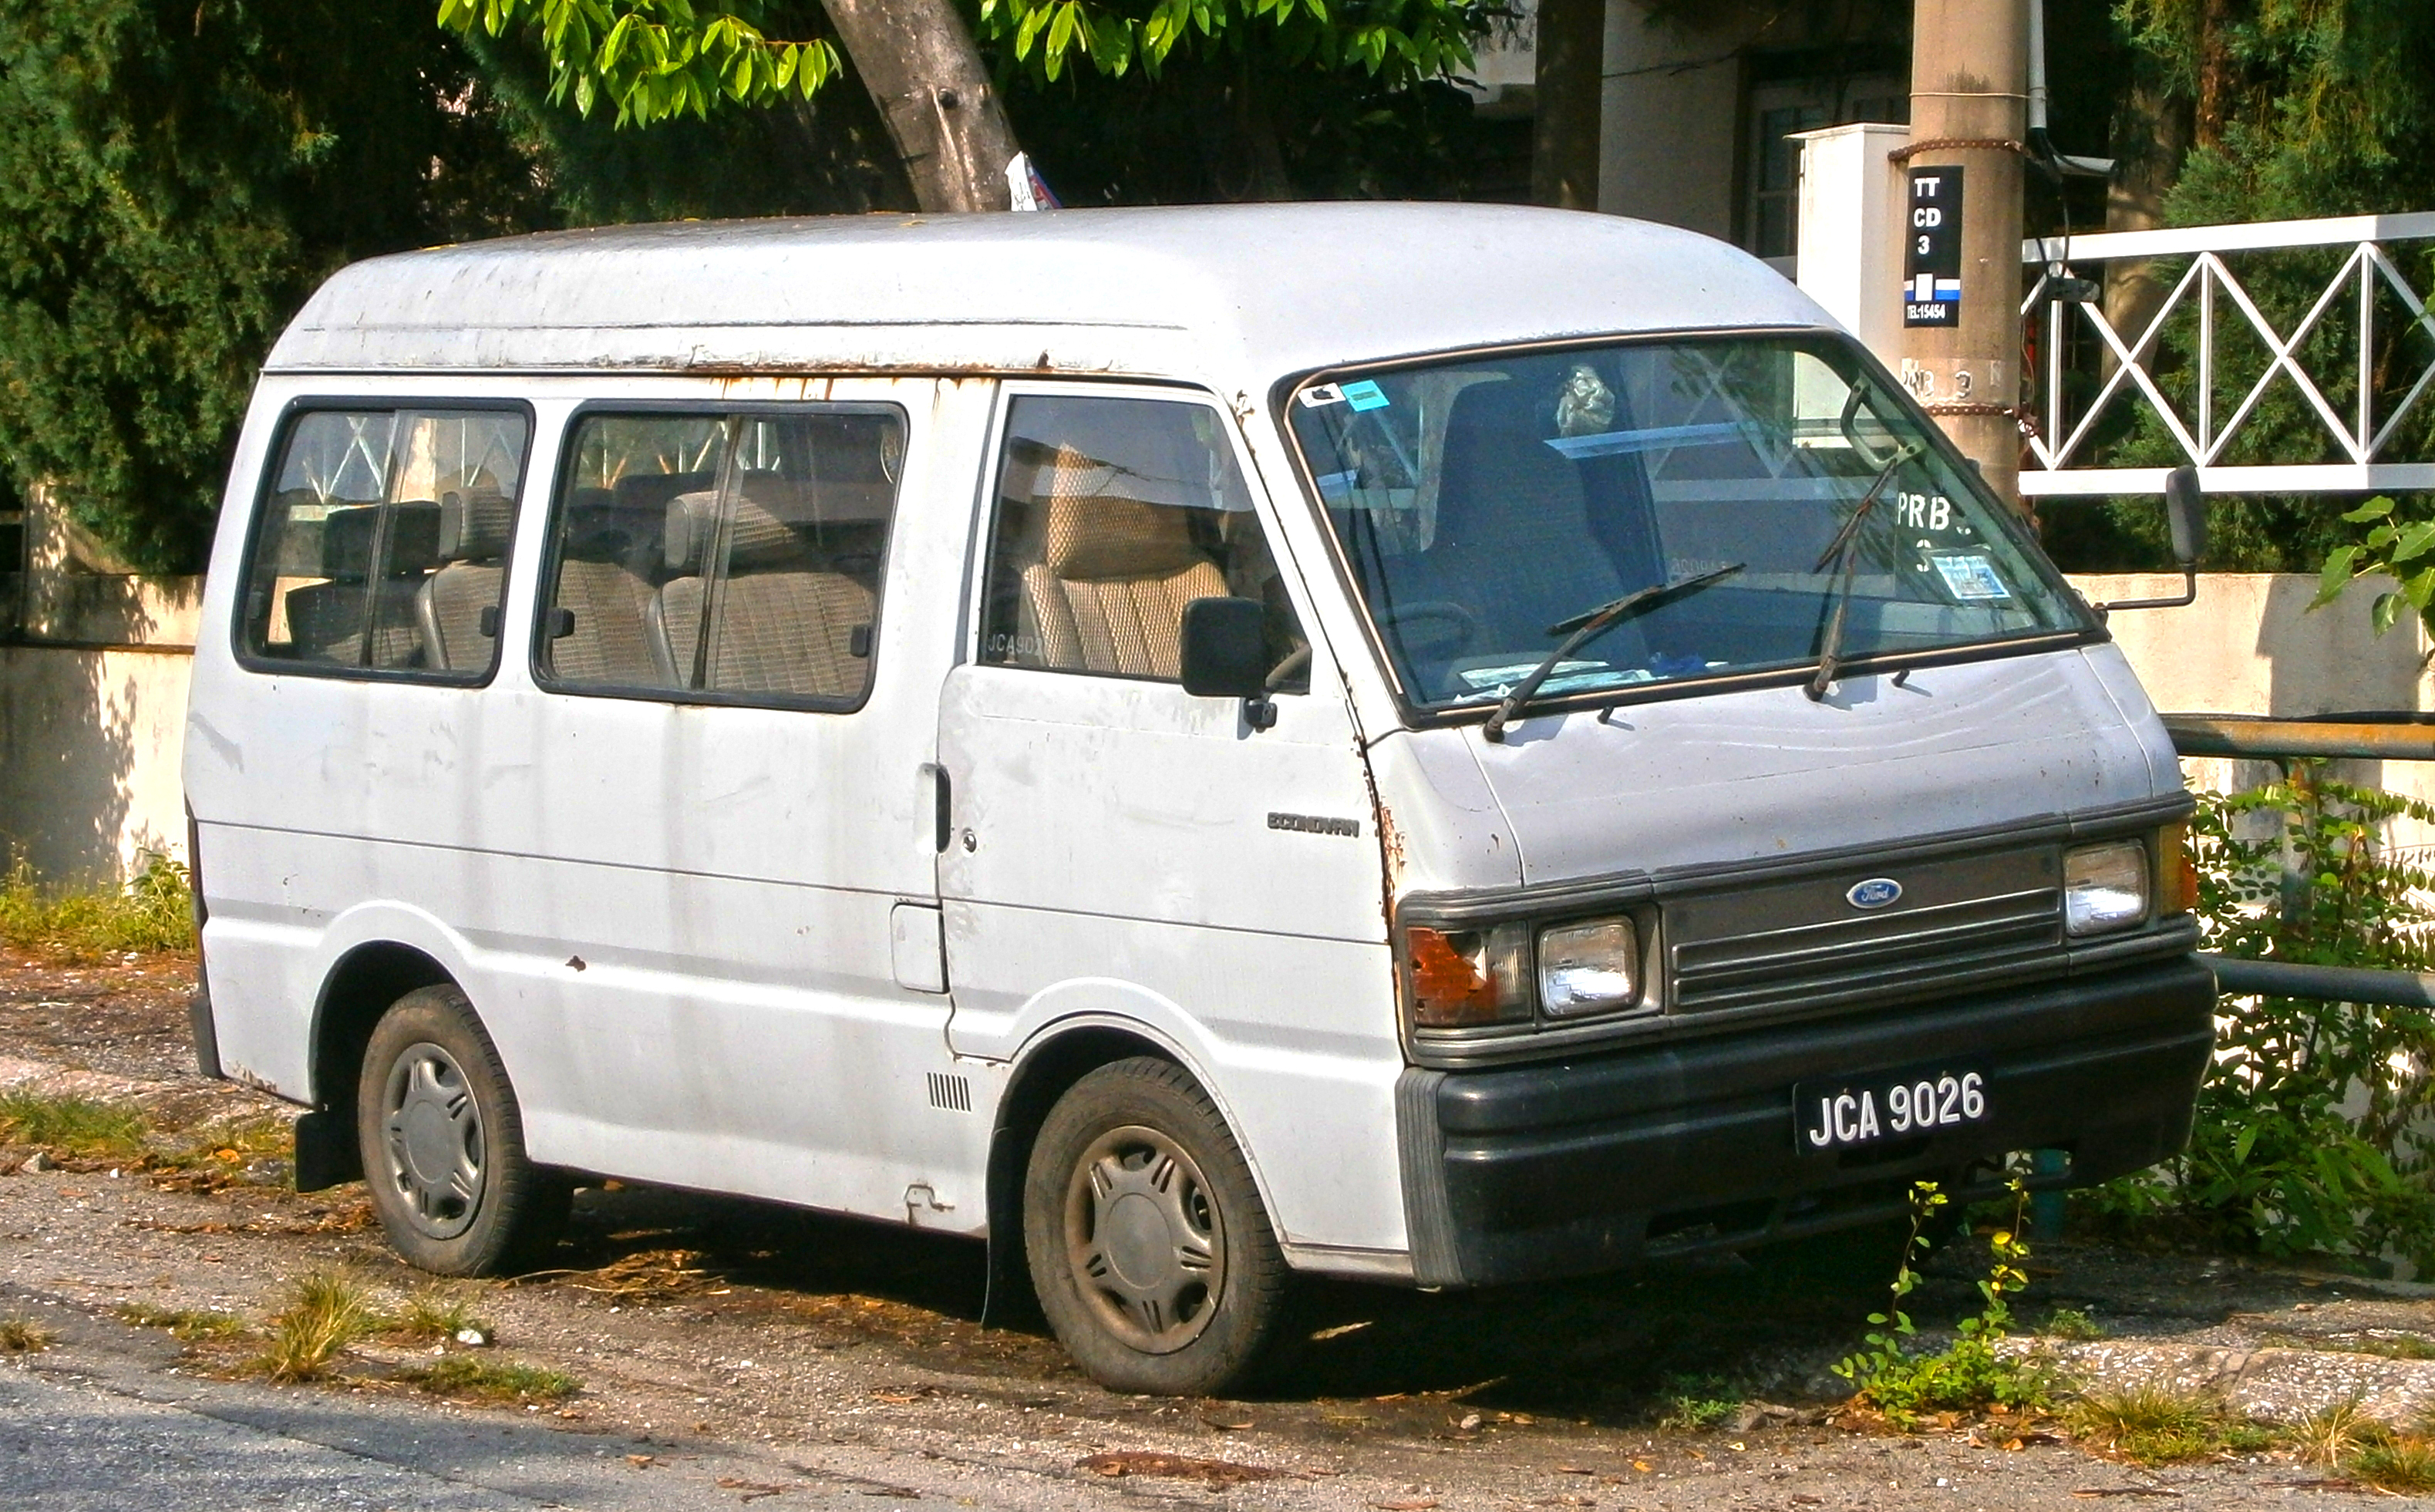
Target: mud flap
[{"x": 325, "y": 1151}]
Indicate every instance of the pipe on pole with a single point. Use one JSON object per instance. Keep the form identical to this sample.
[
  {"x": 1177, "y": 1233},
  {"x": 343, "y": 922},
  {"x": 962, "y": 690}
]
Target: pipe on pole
[
  {"x": 2328, "y": 984},
  {"x": 2262, "y": 739},
  {"x": 1969, "y": 109}
]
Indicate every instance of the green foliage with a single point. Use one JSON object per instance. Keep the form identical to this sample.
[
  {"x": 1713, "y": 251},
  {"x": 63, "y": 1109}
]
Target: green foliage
[
  {"x": 2308, "y": 1135},
  {"x": 1967, "y": 1375},
  {"x": 471, "y": 1375},
  {"x": 2320, "y": 108},
  {"x": 173, "y": 181},
  {"x": 2154, "y": 1422},
  {"x": 1695, "y": 1403},
  {"x": 653, "y": 60},
  {"x": 1401, "y": 42},
  {"x": 2393, "y": 546},
  {"x": 155, "y": 912}
]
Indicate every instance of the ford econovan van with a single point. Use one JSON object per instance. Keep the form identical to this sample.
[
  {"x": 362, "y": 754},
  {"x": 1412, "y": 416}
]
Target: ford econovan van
[{"x": 1446, "y": 744}]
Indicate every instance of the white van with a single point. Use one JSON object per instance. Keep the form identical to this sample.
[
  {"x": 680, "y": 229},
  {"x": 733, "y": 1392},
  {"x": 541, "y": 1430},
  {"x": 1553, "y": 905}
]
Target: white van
[{"x": 1440, "y": 744}]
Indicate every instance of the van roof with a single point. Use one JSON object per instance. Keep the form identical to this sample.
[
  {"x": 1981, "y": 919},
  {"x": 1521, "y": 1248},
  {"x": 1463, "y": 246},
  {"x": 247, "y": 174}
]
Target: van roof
[{"x": 1234, "y": 296}]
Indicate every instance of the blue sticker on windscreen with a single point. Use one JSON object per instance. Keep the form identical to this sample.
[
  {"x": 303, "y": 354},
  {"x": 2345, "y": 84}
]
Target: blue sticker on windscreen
[{"x": 1364, "y": 395}]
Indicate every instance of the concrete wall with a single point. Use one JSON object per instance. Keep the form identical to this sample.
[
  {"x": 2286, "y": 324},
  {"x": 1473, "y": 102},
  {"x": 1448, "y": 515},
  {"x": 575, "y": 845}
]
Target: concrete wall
[{"x": 92, "y": 703}]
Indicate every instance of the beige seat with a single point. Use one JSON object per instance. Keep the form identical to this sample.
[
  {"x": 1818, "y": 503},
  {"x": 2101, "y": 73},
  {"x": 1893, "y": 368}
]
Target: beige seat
[
  {"x": 326, "y": 619},
  {"x": 1109, "y": 577},
  {"x": 609, "y": 547},
  {"x": 790, "y": 621},
  {"x": 473, "y": 530}
]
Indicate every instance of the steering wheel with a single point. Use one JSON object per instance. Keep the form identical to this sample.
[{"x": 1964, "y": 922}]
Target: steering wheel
[{"x": 1458, "y": 626}]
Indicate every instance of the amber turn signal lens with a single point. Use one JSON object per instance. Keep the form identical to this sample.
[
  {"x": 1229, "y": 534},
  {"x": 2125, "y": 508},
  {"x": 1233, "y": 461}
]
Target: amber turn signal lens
[
  {"x": 1461, "y": 978},
  {"x": 2177, "y": 871}
]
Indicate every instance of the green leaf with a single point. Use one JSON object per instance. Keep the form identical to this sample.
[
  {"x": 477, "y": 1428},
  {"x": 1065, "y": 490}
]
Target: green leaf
[
  {"x": 2414, "y": 542},
  {"x": 2336, "y": 576},
  {"x": 2384, "y": 611},
  {"x": 2376, "y": 508}
]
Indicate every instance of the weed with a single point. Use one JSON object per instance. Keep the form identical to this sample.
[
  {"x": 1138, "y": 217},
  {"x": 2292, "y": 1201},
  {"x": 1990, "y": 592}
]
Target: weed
[
  {"x": 1968, "y": 1374},
  {"x": 470, "y": 1375},
  {"x": 2333, "y": 1433},
  {"x": 2403, "y": 1465},
  {"x": 155, "y": 912},
  {"x": 2151, "y": 1421},
  {"x": 223, "y": 1154},
  {"x": 327, "y": 1310},
  {"x": 1698, "y": 1403},
  {"x": 71, "y": 1125},
  {"x": 2070, "y": 1323},
  {"x": 183, "y": 1323},
  {"x": 20, "y": 1336},
  {"x": 437, "y": 1313}
]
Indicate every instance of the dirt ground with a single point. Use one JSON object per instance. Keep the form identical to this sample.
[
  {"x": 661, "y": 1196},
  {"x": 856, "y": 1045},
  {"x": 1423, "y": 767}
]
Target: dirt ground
[{"x": 861, "y": 1350}]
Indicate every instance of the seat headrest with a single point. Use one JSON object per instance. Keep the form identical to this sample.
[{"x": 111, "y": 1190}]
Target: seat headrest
[
  {"x": 475, "y": 524},
  {"x": 756, "y": 537},
  {"x": 348, "y": 532},
  {"x": 1092, "y": 535}
]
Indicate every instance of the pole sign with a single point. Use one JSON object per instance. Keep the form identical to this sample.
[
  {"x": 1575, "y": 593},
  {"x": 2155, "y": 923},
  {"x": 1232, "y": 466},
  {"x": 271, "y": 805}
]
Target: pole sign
[{"x": 1932, "y": 254}]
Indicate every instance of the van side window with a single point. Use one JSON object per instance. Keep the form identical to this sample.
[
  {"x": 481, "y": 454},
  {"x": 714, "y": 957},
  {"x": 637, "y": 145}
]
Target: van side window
[
  {"x": 1111, "y": 515},
  {"x": 382, "y": 542},
  {"x": 735, "y": 557}
]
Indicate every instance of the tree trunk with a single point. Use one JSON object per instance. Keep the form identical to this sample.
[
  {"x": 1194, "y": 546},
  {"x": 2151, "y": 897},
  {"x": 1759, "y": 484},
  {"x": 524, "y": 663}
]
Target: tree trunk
[
  {"x": 2151, "y": 133},
  {"x": 1571, "y": 62},
  {"x": 918, "y": 60},
  {"x": 2215, "y": 71}
]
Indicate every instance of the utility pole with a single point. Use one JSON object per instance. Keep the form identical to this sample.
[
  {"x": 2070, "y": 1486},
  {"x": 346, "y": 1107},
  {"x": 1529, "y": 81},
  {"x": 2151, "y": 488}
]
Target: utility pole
[{"x": 1961, "y": 297}]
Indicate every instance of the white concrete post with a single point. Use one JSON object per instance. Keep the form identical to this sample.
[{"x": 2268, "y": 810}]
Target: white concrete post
[{"x": 1849, "y": 254}]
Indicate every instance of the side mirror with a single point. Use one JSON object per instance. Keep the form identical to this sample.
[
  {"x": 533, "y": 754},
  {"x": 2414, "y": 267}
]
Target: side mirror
[
  {"x": 1224, "y": 650},
  {"x": 2186, "y": 512}
]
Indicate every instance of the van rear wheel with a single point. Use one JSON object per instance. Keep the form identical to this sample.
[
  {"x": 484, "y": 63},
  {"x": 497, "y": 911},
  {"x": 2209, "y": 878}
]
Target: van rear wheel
[
  {"x": 443, "y": 1144},
  {"x": 1148, "y": 1248}
]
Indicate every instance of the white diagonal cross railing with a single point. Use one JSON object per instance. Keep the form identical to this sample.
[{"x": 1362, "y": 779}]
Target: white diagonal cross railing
[{"x": 2060, "y": 444}]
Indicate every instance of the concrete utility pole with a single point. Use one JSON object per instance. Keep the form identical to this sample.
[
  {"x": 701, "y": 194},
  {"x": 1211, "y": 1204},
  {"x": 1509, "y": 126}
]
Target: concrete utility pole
[{"x": 1961, "y": 335}]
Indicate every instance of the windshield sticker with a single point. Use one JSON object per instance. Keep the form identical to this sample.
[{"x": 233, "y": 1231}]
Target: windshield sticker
[
  {"x": 1608, "y": 443},
  {"x": 1364, "y": 395},
  {"x": 1969, "y": 577},
  {"x": 1318, "y": 394}
]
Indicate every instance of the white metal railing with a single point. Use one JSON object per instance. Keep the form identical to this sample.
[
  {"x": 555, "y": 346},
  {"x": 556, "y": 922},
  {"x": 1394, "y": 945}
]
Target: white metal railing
[{"x": 2362, "y": 436}]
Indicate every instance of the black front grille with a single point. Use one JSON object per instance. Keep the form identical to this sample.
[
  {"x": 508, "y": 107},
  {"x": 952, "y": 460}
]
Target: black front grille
[{"x": 1962, "y": 922}]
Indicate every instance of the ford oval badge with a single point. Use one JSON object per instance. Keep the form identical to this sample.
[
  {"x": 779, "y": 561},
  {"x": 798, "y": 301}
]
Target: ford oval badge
[{"x": 1874, "y": 893}]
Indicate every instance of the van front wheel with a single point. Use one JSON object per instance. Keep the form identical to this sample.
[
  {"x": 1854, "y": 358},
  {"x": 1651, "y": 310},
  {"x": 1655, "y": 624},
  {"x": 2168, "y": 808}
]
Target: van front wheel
[
  {"x": 1148, "y": 1248},
  {"x": 443, "y": 1143}
]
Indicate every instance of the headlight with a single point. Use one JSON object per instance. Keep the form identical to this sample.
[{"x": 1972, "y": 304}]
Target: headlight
[
  {"x": 2104, "y": 888},
  {"x": 1459, "y": 978},
  {"x": 1586, "y": 968}
]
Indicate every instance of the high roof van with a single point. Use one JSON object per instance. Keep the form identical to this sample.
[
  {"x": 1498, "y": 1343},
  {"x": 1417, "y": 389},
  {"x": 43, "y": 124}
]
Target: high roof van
[{"x": 1446, "y": 744}]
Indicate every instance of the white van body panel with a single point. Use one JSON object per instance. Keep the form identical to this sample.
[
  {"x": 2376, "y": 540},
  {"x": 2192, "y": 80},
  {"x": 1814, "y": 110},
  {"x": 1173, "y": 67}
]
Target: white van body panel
[{"x": 1766, "y": 773}]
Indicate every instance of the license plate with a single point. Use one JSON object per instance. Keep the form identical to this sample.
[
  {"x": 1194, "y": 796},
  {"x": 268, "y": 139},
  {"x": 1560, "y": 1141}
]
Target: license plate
[{"x": 1886, "y": 1105}]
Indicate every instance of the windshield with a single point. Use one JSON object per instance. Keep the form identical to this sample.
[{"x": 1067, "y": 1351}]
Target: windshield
[{"x": 1486, "y": 505}]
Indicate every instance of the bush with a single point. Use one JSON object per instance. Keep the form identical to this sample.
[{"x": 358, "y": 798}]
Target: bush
[
  {"x": 2309, "y": 1135},
  {"x": 155, "y": 912}
]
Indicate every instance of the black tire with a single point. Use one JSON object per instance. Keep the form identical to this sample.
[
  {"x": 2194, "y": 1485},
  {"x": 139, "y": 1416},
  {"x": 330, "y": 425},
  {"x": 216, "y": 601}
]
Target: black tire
[
  {"x": 443, "y": 1143},
  {"x": 1149, "y": 1249}
]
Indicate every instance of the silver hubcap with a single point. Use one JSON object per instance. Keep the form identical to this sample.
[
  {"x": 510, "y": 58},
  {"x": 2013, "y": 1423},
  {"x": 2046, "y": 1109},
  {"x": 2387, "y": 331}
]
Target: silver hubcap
[
  {"x": 437, "y": 1157},
  {"x": 1145, "y": 1239}
]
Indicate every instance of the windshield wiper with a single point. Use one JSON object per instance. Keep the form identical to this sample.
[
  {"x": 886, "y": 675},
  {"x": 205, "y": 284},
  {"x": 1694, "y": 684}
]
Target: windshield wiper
[
  {"x": 1588, "y": 624},
  {"x": 1844, "y": 551}
]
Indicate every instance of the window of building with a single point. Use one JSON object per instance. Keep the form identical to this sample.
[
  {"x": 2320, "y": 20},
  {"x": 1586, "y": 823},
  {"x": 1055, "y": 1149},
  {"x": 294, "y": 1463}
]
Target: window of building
[
  {"x": 1111, "y": 515},
  {"x": 382, "y": 542},
  {"x": 730, "y": 557},
  {"x": 1781, "y": 107}
]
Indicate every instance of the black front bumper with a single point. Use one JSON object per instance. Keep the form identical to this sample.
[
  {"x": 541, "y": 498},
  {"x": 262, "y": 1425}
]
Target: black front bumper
[{"x": 1588, "y": 1164}]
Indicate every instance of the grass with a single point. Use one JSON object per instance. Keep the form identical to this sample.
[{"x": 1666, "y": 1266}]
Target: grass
[
  {"x": 2403, "y": 1465},
  {"x": 193, "y": 1325},
  {"x": 438, "y": 1312},
  {"x": 327, "y": 1310},
  {"x": 2070, "y": 1323},
  {"x": 155, "y": 912},
  {"x": 2333, "y": 1434},
  {"x": 21, "y": 1336},
  {"x": 72, "y": 1125},
  {"x": 2157, "y": 1423},
  {"x": 471, "y": 1375}
]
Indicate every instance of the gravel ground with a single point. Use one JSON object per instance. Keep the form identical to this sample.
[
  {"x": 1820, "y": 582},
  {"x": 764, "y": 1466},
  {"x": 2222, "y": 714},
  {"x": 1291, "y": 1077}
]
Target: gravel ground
[{"x": 738, "y": 1342}]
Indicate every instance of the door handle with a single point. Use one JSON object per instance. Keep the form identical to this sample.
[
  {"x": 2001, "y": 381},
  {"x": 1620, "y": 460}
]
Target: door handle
[{"x": 942, "y": 817}]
